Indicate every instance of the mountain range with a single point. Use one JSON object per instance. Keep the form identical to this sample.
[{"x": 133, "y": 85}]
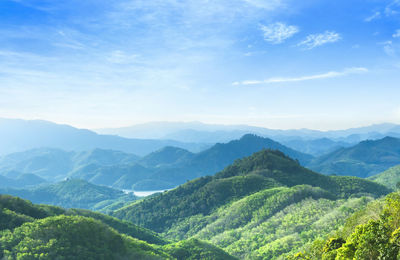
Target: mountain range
[
  {"x": 363, "y": 160},
  {"x": 162, "y": 169},
  {"x": 20, "y": 135},
  {"x": 200, "y": 132},
  {"x": 249, "y": 208}
]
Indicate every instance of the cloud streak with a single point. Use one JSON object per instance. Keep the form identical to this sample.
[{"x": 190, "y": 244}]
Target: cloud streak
[
  {"x": 315, "y": 40},
  {"x": 327, "y": 75},
  {"x": 278, "y": 32}
]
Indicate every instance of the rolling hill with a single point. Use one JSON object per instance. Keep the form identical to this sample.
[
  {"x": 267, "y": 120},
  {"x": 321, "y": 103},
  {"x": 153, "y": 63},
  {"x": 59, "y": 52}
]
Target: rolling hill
[
  {"x": 362, "y": 160},
  {"x": 29, "y": 231},
  {"x": 72, "y": 193},
  {"x": 261, "y": 206},
  {"x": 170, "y": 166},
  {"x": 390, "y": 178}
]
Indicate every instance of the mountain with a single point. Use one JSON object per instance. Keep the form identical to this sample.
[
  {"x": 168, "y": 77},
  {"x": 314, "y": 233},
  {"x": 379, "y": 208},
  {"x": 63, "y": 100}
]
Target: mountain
[
  {"x": 370, "y": 233},
  {"x": 72, "y": 193},
  {"x": 262, "y": 206},
  {"x": 21, "y": 135},
  {"x": 362, "y": 160},
  {"x": 21, "y": 181},
  {"x": 170, "y": 166},
  {"x": 199, "y": 132},
  {"x": 315, "y": 147},
  {"x": 55, "y": 164},
  {"x": 29, "y": 231},
  {"x": 390, "y": 178},
  {"x": 167, "y": 156}
]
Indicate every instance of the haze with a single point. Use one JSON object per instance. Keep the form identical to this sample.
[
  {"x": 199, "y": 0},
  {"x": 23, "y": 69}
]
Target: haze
[{"x": 272, "y": 63}]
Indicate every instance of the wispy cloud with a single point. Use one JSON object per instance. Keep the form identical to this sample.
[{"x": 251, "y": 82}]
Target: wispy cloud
[
  {"x": 396, "y": 34},
  {"x": 278, "y": 32},
  {"x": 388, "y": 48},
  {"x": 315, "y": 40},
  {"x": 393, "y": 8},
  {"x": 330, "y": 74},
  {"x": 375, "y": 16}
]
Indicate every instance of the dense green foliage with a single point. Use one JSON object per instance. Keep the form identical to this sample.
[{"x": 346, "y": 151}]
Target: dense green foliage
[
  {"x": 194, "y": 249},
  {"x": 371, "y": 233},
  {"x": 389, "y": 178},
  {"x": 29, "y": 231},
  {"x": 72, "y": 237},
  {"x": 261, "y": 207},
  {"x": 73, "y": 193},
  {"x": 263, "y": 170},
  {"x": 362, "y": 160}
]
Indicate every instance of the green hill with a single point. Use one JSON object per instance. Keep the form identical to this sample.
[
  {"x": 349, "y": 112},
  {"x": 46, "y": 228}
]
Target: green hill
[
  {"x": 261, "y": 206},
  {"x": 72, "y": 193},
  {"x": 362, "y": 160},
  {"x": 371, "y": 233},
  {"x": 29, "y": 231},
  {"x": 389, "y": 178},
  {"x": 170, "y": 167},
  {"x": 167, "y": 156}
]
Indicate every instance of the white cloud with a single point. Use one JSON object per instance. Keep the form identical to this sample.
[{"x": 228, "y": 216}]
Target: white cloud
[
  {"x": 315, "y": 40},
  {"x": 278, "y": 32},
  {"x": 396, "y": 34},
  {"x": 375, "y": 16},
  {"x": 388, "y": 48},
  {"x": 330, "y": 74}
]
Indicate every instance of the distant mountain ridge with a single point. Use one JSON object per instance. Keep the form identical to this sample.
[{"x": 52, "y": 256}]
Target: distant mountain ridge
[
  {"x": 170, "y": 166},
  {"x": 363, "y": 160},
  {"x": 194, "y": 131},
  {"x": 20, "y": 135}
]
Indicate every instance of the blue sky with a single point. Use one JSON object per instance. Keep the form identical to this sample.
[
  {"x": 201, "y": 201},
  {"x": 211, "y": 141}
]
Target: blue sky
[{"x": 273, "y": 63}]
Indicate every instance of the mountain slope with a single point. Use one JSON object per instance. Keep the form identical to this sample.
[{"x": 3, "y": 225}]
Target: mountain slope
[
  {"x": 263, "y": 170},
  {"x": 30, "y": 231},
  {"x": 21, "y": 135},
  {"x": 362, "y": 160},
  {"x": 261, "y": 206},
  {"x": 173, "y": 166},
  {"x": 167, "y": 156},
  {"x": 390, "y": 178},
  {"x": 71, "y": 193},
  {"x": 371, "y": 233}
]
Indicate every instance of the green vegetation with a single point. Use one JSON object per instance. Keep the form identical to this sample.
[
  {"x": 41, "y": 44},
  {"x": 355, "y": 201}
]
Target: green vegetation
[
  {"x": 362, "y": 160},
  {"x": 194, "y": 249},
  {"x": 29, "y": 231},
  {"x": 72, "y": 237},
  {"x": 389, "y": 178},
  {"x": 261, "y": 207},
  {"x": 162, "y": 169},
  {"x": 372, "y": 233},
  {"x": 74, "y": 193}
]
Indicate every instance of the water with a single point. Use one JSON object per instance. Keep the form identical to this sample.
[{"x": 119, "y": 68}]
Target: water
[{"x": 144, "y": 193}]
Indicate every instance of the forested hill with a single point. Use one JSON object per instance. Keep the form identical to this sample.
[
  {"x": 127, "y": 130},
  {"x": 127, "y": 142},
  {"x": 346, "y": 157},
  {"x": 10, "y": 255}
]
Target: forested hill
[
  {"x": 370, "y": 233},
  {"x": 171, "y": 166},
  {"x": 362, "y": 160},
  {"x": 72, "y": 193},
  {"x": 262, "y": 206},
  {"x": 30, "y": 231},
  {"x": 263, "y": 170},
  {"x": 389, "y": 178}
]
